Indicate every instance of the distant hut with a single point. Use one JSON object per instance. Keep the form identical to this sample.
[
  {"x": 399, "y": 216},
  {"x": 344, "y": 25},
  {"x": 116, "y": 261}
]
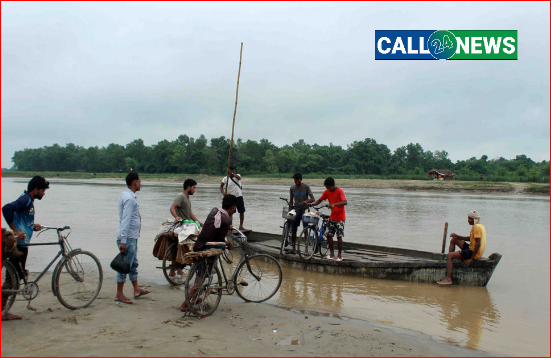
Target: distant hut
[{"x": 441, "y": 174}]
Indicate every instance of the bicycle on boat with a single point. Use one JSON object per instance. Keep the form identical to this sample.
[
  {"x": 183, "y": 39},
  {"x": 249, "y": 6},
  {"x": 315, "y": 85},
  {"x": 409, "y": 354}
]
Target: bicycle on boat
[
  {"x": 289, "y": 216},
  {"x": 256, "y": 278},
  {"x": 313, "y": 238},
  {"x": 76, "y": 280}
]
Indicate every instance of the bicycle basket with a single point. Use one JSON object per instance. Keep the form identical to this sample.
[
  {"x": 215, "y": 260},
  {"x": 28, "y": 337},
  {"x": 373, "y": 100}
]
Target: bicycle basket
[
  {"x": 310, "y": 218},
  {"x": 289, "y": 215}
]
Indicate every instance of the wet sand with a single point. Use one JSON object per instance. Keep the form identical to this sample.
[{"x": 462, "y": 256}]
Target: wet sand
[{"x": 153, "y": 326}]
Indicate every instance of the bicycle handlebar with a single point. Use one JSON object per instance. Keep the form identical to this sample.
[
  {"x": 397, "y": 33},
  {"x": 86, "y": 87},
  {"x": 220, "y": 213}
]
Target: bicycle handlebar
[{"x": 55, "y": 228}]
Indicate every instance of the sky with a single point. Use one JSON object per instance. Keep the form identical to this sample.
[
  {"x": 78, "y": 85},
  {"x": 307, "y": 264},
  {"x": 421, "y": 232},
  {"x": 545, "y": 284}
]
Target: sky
[{"x": 100, "y": 73}]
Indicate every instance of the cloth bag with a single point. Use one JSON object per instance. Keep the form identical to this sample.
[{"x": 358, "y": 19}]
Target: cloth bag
[{"x": 120, "y": 263}]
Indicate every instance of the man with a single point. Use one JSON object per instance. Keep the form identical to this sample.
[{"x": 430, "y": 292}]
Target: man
[
  {"x": 127, "y": 237},
  {"x": 335, "y": 225},
  {"x": 469, "y": 252},
  {"x": 19, "y": 216},
  {"x": 181, "y": 207},
  {"x": 215, "y": 229},
  {"x": 299, "y": 193},
  {"x": 236, "y": 190}
]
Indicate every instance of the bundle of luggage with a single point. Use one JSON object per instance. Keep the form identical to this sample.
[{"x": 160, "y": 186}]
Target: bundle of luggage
[{"x": 183, "y": 232}]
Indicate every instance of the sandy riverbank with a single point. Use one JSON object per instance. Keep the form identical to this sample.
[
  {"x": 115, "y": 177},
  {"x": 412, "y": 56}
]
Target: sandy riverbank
[
  {"x": 153, "y": 326},
  {"x": 410, "y": 185}
]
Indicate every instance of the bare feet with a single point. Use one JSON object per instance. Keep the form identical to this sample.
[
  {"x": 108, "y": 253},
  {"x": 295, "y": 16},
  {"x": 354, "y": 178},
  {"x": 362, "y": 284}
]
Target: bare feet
[
  {"x": 241, "y": 228},
  {"x": 445, "y": 281},
  {"x": 124, "y": 299}
]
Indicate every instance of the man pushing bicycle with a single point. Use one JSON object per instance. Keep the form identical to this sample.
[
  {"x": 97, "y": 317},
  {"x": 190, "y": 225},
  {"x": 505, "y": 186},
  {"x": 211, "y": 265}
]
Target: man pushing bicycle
[{"x": 214, "y": 229}]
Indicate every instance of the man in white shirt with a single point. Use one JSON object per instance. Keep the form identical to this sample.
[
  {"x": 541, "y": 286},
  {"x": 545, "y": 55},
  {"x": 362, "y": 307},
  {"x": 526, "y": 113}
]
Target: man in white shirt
[{"x": 236, "y": 189}]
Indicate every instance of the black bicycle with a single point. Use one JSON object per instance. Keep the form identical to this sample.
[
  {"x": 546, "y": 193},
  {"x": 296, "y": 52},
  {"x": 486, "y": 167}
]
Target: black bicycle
[
  {"x": 256, "y": 278},
  {"x": 76, "y": 280},
  {"x": 289, "y": 216}
]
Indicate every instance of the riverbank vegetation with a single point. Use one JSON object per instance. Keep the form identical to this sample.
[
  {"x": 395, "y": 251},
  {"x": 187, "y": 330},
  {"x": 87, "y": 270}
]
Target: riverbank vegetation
[{"x": 365, "y": 159}]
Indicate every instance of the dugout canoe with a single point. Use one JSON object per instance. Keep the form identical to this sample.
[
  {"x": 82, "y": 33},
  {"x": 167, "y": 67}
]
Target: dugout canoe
[{"x": 380, "y": 262}]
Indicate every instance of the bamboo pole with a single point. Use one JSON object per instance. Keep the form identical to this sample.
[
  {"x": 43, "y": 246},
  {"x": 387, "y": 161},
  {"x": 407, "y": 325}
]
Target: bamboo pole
[
  {"x": 444, "y": 238},
  {"x": 234, "y": 112}
]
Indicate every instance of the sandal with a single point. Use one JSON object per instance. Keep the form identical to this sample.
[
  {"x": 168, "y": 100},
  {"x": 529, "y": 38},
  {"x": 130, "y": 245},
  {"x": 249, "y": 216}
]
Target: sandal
[
  {"x": 143, "y": 292},
  {"x": 124, "y": 299}
]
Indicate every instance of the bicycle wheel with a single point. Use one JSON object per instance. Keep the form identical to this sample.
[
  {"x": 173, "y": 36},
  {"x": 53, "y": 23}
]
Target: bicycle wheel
[
  {"x": 258, "y": 278},
  {"x": 180, "y": 271},
  {"x": 78, "y": 280},
  {"x": 10, "y": 285},
  {"x": 323, "y": 247},
  {"x": 203, "y": 288},
  {"x": 233, "y": 256},
  {"x": 284, "y": 237},
  {"x": 307, "y": 243}
]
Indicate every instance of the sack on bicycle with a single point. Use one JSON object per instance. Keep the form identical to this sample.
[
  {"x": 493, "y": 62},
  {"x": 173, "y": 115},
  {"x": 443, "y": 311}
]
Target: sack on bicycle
[{"x": 121, "y": 264}]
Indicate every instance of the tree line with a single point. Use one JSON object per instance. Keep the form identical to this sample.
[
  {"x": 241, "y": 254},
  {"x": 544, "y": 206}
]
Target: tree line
[{"x": 188, "y": 155}]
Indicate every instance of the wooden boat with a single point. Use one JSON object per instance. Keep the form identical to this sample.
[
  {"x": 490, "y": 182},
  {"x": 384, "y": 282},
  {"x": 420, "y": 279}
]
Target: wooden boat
[{"x": 381, "y": 262}]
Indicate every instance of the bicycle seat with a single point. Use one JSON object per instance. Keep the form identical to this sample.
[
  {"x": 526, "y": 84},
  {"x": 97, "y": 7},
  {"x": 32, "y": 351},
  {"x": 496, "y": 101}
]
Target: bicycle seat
[{"x": 324, "y": 216}]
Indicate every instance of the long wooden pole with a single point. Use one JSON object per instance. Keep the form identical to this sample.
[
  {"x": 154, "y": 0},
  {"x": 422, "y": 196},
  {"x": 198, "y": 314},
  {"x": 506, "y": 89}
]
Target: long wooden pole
[
  {"x": 234, "y": 113},
  {"x": 444, "y": 238}
]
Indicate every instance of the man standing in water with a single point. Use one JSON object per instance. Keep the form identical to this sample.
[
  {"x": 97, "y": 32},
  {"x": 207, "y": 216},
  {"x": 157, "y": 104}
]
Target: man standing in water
[
  {"x": 19, "y": 216},
  {"x": 469, "y": 252},
  {"x": 127, "y": 237},
  {"x": 299, "y": 193},
  {"x": 335, "y": 225},
  {"x": 236, "y": 190}
]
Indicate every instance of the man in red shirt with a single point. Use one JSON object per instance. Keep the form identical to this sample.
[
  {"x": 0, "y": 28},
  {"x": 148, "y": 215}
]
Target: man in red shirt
[{"x": 337, "y": 201}]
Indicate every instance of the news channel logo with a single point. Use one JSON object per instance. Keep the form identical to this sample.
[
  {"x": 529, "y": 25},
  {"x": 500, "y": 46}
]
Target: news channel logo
[{"x": 446, "y": 45}]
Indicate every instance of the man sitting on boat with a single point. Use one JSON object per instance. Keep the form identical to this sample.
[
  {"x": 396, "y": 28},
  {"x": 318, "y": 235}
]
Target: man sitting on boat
[
  {"x": 469, "y": 252},
  {"x": 335, "y": 225}
]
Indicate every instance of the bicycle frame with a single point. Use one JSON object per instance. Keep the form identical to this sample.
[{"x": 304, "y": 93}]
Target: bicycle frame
[
  {"x": 64, "y": 251},
  {"x": 218, "y": 262}
]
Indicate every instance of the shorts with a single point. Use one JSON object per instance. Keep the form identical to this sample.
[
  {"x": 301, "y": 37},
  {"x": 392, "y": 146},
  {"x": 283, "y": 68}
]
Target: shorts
[
  {"x": 335, "y": 227},
  {"x": 296, "y": 223},
  {"x": 466, "y": 252},
  {"x": 240, "y": 205}
]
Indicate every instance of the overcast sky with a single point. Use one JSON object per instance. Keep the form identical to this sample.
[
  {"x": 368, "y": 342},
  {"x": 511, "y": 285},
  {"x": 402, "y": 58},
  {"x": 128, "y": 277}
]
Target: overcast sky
[{"x": 99, "y": 73}]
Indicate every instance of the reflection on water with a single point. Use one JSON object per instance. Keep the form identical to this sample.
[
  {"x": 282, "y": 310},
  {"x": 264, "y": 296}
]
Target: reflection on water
[
  {"x": 464, "y": 312},
  {"x": 510, "y": 316}
]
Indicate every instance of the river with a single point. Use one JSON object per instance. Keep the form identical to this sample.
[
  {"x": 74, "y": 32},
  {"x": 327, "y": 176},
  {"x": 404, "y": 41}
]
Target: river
[{"x": 508, "y": 317}]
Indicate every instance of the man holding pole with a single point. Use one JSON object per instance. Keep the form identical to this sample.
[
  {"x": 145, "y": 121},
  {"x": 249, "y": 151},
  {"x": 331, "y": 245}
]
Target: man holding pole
[
  {"x": 233, "y": 187},
  {"x": 470, "y": 251}
]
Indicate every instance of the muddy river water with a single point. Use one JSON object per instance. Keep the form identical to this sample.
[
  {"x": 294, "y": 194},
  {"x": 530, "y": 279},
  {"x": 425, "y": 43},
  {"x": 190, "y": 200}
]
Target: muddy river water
[{"x": 508, "y": 317}]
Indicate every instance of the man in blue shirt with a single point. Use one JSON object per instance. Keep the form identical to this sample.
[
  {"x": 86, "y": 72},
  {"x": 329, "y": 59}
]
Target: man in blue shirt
[
  {"x": 19, "y": 215},
  {"x": 127, "y": 237}
]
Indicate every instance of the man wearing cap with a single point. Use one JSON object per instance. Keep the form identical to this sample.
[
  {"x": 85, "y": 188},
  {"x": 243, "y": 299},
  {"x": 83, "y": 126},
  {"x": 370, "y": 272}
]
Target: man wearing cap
[
  {"x": 469, "y": 252},
  {"x": 235, "y": 189}
]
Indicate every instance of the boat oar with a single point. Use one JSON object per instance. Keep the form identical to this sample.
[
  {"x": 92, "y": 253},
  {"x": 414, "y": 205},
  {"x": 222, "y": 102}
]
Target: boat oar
[
  {"x": 233, "y": 126},
  {"x": 444, "y": 238}
]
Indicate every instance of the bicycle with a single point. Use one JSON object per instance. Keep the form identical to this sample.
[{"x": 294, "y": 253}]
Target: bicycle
[
  {"x": 313, "y": 239},
  {"x": 170, "y": 266},
  {"x": 256, "y": 278},
  {"x": 289, "y": 216},
  {"x": 76, "y": 280}
]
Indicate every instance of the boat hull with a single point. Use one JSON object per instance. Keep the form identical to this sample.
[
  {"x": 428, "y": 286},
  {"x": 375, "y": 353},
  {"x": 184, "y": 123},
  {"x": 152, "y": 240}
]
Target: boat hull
[{"x": 381, "y": 262}]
